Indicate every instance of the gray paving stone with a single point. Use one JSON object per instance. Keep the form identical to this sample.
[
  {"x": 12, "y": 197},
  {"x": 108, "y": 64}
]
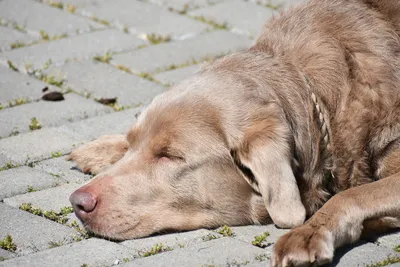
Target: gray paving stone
[
  {"x": 248, "y": 233},
  {"x": 172, "y": 241},
  {"x": 92, "y": 252},
  {"x": 31, "y": 233},
  {"x": 176, "y": 75},
  {"x": 242, "y": 17},
  {"x": 114, "y": 123},
  {"x": 135, "y": 16},
  {"x": 15, "y": 85},
  {"x": 37, "y": 145},
  {"x": 34, "y": 17},
  {"x": 389, "y": 240},
  {"x": 10, "y": 36},
  {"x": 162, "y": 56},
  {"x": 16, "y": 181},
  {"x": 48, "y": 199},
  {"x": 184, "y": 5},
  {"x": 128, "y": 88},
  {"x": 5, "y": 255},
  {"x": 82, "y": 46},
  {"x": 361, "y": 254},
  {"x": 223, "y": 251},
  {"x": 63, "y": 169},
  {"x": 74, "y": 107}
]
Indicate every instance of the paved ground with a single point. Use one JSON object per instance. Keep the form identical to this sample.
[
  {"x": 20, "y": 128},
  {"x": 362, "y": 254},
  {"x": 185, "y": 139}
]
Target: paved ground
[{"x": 132, "y": 50}]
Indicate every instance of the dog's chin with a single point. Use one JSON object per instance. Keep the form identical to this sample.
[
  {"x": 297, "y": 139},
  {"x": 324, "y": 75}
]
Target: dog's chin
[{"x": 116, "y": 233}]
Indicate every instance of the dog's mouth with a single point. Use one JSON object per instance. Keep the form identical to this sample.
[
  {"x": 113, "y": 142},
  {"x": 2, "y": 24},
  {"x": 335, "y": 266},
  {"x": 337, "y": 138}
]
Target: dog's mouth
[{"x": 113, "y": 232}]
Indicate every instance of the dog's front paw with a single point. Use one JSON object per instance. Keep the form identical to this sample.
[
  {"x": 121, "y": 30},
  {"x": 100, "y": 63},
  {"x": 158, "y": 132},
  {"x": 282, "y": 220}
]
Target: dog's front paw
[
  {"x": 96, "y": 156},
  {"x": 306, "y": 245}
]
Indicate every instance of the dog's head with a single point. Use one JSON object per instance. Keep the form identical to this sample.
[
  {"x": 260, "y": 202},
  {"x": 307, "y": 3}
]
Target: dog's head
[{"x": 197, "y": 158}]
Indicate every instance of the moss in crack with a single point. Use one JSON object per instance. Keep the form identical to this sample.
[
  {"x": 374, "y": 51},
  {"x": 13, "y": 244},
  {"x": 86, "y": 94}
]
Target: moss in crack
[
  {"x": 8, "y": 166},
  {"x": 390, "y": 260},
  {"x": 262, "y": 257},
  {"x": 104, "y": 58},
  {"x": 56, "y": 154},
  {"x": 3, "y": 258},
  {"x": 35, "y": 124},
  {"x": 12, "y": 66},
  {"x": 17, "y": 44},
  {"x": 182, "y": 11},
  {"x": 209, "y": 237},
  {"x": 397, "y": 248},
  {"x": 123, "y": 68},
  {"x": 54, "y": 244},
  {"x": 83, "y": 234},
  {"x": 51, "y": 79},
  {"x": 55, "y": 4},
  {"x": 71, "y": 8},
  {"x": 147, "y": 76},
  {"x": 216, "y": 25},
  {"x": 156, "y": 249},
  {"x": 58, "y": 217},
  {"x": 31, "y": 189},
  {"x": 17, "y": 102},
  {"x": 260, "y": 239},
  {"x": 225, "y": 231},
  {"x": 154, "y": 38},
  {"x": 8, "y": 244},
  {"x": 45, "y": 36},
  {"x": 102, "y": 21}
]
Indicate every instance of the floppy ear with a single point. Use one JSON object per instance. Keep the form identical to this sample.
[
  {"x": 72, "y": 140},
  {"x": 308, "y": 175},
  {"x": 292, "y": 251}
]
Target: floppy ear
[{"x": 266, "y": 152}]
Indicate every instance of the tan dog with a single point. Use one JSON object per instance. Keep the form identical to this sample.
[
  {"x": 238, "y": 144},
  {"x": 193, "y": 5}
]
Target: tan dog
[{"x": 306, "y": 123}]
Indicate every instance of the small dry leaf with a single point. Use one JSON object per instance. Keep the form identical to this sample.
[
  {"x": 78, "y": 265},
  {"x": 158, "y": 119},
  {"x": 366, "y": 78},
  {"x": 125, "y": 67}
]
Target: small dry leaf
[
  {"x": 107, "y": 101},
  {"x": 53, "y": 96},
  {"x": 45, "y": 89}
]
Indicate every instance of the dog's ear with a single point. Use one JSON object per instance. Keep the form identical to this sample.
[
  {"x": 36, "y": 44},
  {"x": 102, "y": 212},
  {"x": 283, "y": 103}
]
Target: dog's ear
[{"x": 266, "y": 152}]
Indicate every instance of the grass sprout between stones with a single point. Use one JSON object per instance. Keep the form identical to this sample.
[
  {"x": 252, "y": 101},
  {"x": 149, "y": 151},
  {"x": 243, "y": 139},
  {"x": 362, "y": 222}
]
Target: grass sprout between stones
[
  {"x": 225, "y": 231},
  {"x": 157, "y": 248},
  {"x": 260, "y": 239},
  {"x": 35, "y": 125},
  {"x": 8, "y": 244}
]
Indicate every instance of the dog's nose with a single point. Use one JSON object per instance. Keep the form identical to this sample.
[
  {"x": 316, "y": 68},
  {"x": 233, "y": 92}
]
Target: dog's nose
[{"x": 82, "y": 202}]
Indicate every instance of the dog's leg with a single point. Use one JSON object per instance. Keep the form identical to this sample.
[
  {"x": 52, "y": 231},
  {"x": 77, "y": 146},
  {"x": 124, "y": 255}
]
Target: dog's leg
[
  {"x": 96, "y": 156},
  {"x": 338, "y": 222}
]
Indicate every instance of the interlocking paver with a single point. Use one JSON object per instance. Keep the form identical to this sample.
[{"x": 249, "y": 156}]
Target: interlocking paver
[
  {"x": 40, "y": 199},
  {"x": 84, "y": 78},
  {"x": 91, "y": 252},
  {"x": 172, "y": 241},
  {"x": 114, "y": 123},
  {"x": 12, "y": 38},
  {"x": 23, "y": 87},
  {"x": 74, "y": 107},
  {"x": 176, "y": 75},
  {"x": 5, "y": 255},
  {"x": 37, "y": 145},
  {"x": 18, "y": 180},
  {"x": 34, "y": 17},
  {"x": 63, "y": 169},
  {"x": 362, "y": 254},
  {"x": 134, "y": 16},
  {"x": 162, "y": 56},
  {"x": 83, "y": 46},
  {"x": 31, "y": 233},
  {"x": 389, "y": 240},
  {"x": 58, "y": 195},
  {"x": 248, "y": 233},
  {"x": 242, "y": 17},
  {"x": 223, "y": 251}
]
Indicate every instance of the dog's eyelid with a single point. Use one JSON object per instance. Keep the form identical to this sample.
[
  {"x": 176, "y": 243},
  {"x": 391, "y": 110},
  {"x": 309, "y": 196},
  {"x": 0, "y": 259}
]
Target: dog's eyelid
[{"x": 167, "y": 153}]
